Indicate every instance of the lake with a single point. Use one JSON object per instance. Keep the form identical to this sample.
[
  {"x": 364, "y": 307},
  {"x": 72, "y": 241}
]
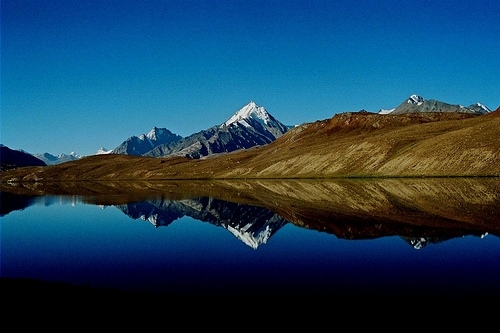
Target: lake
[{"x": 412, "y": 238}]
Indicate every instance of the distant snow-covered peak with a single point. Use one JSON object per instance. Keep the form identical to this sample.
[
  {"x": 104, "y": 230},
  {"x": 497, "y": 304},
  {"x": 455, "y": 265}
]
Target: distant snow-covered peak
[
  {"x": 386, "y": 111},
  {"x": 483, "y": 107},
  {"x": 415, "y": 99},
  {"x": 249, "y": 111},
  {"x": 72, "y": 154},
  {"x": 103, "y": 151}
]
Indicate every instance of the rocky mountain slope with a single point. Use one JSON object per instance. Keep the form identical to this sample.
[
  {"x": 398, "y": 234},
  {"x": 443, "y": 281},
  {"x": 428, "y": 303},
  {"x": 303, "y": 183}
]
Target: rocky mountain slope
[
  {"x": 250, "y": 126},
  {"x": 417, "y": 103},
  {"x": 50, "y": 159},
  {"x": 139, "y": 145}
]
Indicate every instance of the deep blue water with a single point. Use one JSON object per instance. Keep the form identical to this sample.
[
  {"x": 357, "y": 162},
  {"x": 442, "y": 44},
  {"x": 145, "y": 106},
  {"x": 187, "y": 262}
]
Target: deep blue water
[{"x": 85, "y": 244}]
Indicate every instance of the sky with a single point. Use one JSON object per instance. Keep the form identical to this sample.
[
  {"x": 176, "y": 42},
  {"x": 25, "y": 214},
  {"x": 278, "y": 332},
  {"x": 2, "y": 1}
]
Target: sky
[{"x": 84, "y": 74}]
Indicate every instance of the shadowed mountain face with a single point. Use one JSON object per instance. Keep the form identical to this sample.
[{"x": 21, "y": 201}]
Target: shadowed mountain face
[
  {"x": 421, "y": 211},
  {"x": 10, "y": 158},
  {"x": 139, "y": 145}
]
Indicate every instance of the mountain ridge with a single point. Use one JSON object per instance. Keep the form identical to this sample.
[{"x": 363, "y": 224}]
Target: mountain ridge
[
  {"x": 416, "y": 103},
  {"x": 258, "y": 127},
  {"x": 139, "y": 145},
  {"x": 250, "y": 126},
  {"x": 352, "y": 144},
  {"x": 50, "y": 159}
]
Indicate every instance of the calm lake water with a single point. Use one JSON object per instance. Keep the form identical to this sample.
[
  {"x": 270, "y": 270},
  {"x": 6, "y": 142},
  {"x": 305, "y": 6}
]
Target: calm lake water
[{"x": 208, "y": 246}]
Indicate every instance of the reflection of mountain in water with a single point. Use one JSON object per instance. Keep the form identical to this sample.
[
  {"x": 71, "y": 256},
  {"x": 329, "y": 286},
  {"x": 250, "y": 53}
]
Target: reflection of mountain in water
[
  {"x": 10, "y": 202},
  {"x": 255, "y": 225},
  {"x": 420, "y": 211},
  {"x": 420, "y": 242},
  {"x": 252, "y": 225}
]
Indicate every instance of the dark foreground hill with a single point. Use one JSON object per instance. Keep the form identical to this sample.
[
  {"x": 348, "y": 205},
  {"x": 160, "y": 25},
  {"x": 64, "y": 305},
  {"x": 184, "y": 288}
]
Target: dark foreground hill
[
  {"x": 356, "y": 144},
  {"x": 10, "y": 158}
]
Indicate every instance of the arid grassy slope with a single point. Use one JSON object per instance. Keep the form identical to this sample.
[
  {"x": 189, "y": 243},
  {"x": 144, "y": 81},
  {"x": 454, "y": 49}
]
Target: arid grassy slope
[{"x": 359, "y": 144}]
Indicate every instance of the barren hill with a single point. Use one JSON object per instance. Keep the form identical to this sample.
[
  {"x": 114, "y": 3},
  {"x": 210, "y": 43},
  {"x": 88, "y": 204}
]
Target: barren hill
[{"x": 355, "y": 144}]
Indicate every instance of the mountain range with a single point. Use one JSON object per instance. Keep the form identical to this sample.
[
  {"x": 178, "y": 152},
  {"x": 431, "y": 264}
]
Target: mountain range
[
  {"x": 416, "y": 103},
  {"x": 253, "y": 127},
  {"x": 50, "y": 159},
  {"x": 140, "y": 145}
]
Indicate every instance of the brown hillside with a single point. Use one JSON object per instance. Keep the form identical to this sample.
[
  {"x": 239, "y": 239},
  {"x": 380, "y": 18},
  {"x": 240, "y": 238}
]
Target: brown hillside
[
  {"x": 364, "y": 144},
  {"x": 358, "y": 144}
]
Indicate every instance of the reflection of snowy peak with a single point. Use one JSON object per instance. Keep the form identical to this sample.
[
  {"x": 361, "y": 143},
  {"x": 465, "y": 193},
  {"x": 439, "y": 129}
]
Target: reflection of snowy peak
[
  {"x": 157, "y": 212},
  {"x": 252, "y": 225},
  {"x": 420, "y": 242},
  {"x": 252, "y": 236}
]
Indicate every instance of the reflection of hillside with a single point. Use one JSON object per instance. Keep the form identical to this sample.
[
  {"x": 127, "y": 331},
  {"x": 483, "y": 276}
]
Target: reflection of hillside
[
  {"x": 419, "y": 210},
  {"x": 252, "y": 225},
  {"x": 441, "y": 203},
  {"x": 11, "y": 202}
]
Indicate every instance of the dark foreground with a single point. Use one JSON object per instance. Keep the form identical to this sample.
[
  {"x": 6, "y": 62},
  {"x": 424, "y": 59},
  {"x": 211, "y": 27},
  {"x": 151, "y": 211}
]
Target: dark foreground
[
  {"x": 35, "y": 291},
  {"x": 35, "y": 304}
]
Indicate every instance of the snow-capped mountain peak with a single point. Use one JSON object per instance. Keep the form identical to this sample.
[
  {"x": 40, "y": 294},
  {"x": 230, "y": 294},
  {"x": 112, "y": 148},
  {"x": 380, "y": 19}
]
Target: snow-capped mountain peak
[
  {"x": 153, "y": 134},
  {"x": 249, "y": 111},
  {"x": 72, "y": 154},
  {"x": 415, "y": 99},
  {"x": 483, "y": 107},
  {"x": 416, "y": 103},
  {"x": 386, "y": 111},
  {"x": 250, "y": 126},
  {"x": 103, "y": 151},
  {"x": 50, "y": 159}
]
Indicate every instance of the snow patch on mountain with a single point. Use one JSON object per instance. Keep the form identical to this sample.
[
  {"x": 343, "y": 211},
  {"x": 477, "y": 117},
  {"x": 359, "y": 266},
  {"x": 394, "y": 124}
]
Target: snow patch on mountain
[
  {"x": 50, "y": 159},
  {"x": 103, "y": 151},
  {"x": 416, "y": 103},
  {"x": 415, "y": 99},
  {"x": 480, "y": 107},
  {"x": 385, "y": 111}
]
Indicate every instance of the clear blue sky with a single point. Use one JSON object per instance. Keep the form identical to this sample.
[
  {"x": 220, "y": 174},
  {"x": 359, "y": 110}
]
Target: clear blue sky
[{"x": 83, "y": 74}]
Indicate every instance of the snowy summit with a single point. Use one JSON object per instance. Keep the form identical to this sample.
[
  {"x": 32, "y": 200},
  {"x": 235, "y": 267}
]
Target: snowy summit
[
  {"x": 249, "y": 111},
  {"x": 415, "y": 99}
]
